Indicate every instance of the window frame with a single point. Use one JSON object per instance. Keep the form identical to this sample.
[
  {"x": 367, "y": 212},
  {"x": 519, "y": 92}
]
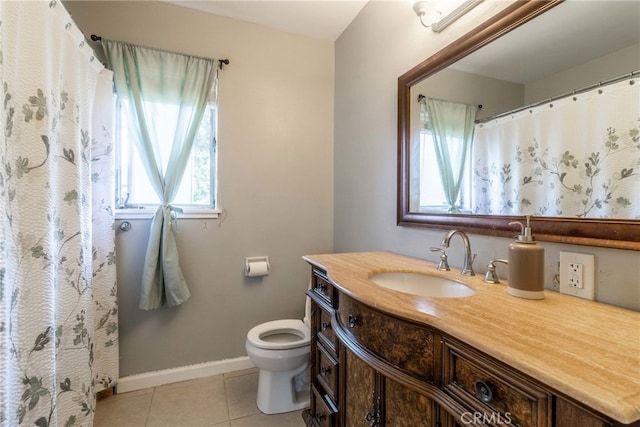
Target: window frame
[{"x": 182, "y": 211}]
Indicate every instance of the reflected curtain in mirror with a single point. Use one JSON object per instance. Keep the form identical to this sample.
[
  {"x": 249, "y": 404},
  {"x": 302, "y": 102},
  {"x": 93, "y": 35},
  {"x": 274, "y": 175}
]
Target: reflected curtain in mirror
[
  {"x": 442, "y": 149},
  {"x": 520, "y": 167}
]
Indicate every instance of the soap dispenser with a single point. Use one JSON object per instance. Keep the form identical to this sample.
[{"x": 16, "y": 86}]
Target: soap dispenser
[{"x": 526, "y": 265}]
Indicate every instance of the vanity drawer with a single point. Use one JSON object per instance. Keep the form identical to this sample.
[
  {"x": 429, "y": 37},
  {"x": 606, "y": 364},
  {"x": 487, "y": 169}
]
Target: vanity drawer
[
  {"x": 496, "y": 391},
  {"x": 404, "y": 345},
  {"x": 322, "y": 411},
  {"x": 326, "y": 333},
  {"x": 327, "y": 372},
  {"x": 323, "y": 288}
]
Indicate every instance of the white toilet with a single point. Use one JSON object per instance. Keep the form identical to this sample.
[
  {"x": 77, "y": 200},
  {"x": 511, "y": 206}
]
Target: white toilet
[{"x": 280, "y": 349}]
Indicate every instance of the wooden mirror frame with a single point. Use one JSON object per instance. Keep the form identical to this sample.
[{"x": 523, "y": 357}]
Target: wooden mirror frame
[{"x": 611, "y": 233}]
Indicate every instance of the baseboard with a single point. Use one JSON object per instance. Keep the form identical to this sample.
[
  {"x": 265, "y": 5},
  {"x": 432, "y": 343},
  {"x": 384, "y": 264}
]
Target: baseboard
[{"x": 184, "y": 373}]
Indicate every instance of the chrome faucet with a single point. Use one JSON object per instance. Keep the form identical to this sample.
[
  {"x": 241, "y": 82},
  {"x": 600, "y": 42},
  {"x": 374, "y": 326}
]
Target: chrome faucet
[
  {"x": 491, "y": 275},
  {"x": 467, "y": 269},
  {"x": 443, "y": 265}
]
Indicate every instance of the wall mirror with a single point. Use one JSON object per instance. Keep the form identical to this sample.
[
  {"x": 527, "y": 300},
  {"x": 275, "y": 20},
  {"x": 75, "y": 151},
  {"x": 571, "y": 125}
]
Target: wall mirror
[{"x": 496, "y": 66}]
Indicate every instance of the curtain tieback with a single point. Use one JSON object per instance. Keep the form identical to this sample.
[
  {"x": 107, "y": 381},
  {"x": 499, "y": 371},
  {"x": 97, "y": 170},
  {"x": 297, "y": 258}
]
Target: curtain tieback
[{"x": 172, "y": 212}]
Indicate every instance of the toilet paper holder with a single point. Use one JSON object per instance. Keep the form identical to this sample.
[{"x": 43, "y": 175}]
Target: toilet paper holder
[{"x": 256, "y": 266}]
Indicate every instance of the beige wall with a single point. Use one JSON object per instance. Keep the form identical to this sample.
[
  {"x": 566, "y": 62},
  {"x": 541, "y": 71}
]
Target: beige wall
[
  {"x": 601, "y": 69},
  {"x": 495, "y": 96},
  {"x": 385, "y": 41},
  {"x": 275, "y": 184},
  {"x": 279, "y": 158}
]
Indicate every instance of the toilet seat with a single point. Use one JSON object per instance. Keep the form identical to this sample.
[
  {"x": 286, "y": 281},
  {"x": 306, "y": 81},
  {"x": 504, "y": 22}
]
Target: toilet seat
[{"x": 286, "y": 334}]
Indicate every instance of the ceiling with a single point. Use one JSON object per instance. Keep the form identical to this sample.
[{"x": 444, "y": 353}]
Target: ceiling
[
  {"x": 576, "y": 31},
  {"x": 570, "y": 34},
  {"x": 319, "y": 19}
]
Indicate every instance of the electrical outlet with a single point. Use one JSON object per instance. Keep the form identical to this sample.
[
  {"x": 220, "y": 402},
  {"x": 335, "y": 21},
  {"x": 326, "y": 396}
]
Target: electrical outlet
[{"x": 577, "y": 274}]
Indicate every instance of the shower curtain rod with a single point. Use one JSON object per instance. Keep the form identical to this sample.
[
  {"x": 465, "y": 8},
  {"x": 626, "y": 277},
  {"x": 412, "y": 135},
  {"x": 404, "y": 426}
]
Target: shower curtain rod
[
  {"x": 630, "y": 75},
  {"x": 421, "y": 97},
  {"x": 222, "y": 62}
]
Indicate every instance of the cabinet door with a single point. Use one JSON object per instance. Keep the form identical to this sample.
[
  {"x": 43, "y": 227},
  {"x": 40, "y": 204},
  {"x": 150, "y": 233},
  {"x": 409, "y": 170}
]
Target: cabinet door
[
  {"x": 406, "y": 408},
  {"x": 372, "y": 400},
  {"x": 361, "y": 400}
]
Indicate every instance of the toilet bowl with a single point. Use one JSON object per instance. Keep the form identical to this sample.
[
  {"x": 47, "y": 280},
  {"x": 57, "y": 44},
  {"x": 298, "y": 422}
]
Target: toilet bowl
[{"x": 280, "y": 349}]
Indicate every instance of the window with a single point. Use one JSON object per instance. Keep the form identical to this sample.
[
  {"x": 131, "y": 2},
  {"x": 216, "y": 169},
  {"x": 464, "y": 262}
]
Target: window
[{"x": 197, "y": 192}]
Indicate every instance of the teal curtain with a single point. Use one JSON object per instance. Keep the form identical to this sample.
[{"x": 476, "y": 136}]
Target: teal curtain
[
  {"x": 147, "y": 79},
  {"x": 452, "y": 126}
]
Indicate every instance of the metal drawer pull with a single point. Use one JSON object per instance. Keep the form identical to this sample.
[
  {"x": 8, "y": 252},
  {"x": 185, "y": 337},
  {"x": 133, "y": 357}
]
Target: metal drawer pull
[
  {"x": 324, "y": 371},
  {"x": 320, "y": 286},
  {"x": 484, "y": 390},
  {"x": 325, "y": 326},
  {"x": 353, "y": 320}
]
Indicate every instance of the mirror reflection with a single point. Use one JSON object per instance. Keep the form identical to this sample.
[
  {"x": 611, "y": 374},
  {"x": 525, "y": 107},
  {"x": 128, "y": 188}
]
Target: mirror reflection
[{"x": 542, "y": 121}]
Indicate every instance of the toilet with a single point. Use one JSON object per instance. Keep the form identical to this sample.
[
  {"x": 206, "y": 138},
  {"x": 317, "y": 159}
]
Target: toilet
[{"x": 280, "y": 349}]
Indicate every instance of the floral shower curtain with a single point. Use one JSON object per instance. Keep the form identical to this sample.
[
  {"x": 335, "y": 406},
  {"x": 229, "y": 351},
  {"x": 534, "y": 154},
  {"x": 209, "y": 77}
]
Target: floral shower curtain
[
  {"x": 520, "y": 167},
  {"x": 58, "y": 308}
]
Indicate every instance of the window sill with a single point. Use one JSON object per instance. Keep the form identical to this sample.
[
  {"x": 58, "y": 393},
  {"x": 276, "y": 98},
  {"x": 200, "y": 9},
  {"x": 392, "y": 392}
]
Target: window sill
[{"x": 187, "y": 213}]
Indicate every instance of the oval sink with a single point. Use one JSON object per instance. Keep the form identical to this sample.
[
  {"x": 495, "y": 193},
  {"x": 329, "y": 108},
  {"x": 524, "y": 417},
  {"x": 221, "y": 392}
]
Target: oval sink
[{"x": 421, "y": 284}]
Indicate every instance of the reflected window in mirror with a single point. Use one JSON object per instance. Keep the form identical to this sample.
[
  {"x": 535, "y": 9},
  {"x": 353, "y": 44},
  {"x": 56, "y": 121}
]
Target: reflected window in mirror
[{"x": 442, "y": 149}]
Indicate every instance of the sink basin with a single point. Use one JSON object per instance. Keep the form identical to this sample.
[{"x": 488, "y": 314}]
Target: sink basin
[{"x": 421, "y": 284}]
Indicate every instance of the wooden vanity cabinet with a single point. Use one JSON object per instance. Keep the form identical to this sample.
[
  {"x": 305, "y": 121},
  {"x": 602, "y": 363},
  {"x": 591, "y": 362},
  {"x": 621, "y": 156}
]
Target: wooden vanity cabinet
[
  {"x": 370, "y": 369},
  {"x": 324, "y": 361},
  {"x": 371, "y": 399},
  {"x": 346, "y": 390}
]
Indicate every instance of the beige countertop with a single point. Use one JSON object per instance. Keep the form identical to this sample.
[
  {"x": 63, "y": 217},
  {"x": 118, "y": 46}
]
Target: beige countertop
[{"x": 583, "y": 349}]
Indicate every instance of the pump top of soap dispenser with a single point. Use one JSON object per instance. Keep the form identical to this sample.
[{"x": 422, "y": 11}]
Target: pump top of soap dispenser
[{"x": 525, "y": 235}]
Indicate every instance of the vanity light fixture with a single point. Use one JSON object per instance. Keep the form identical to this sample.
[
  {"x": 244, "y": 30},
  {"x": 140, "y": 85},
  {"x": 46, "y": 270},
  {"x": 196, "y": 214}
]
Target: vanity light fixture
[{"x": 421, "y": 7}]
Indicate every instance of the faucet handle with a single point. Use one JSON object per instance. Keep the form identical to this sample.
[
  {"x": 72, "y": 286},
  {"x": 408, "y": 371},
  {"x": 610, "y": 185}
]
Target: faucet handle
[
  {"x": 491, "y": 276},
  {"x": 443, "y": 265}
]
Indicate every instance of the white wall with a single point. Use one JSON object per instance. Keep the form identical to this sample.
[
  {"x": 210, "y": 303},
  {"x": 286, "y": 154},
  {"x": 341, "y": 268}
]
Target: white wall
[
  {"x": 275, "y": 184},
  {"x": 385, "y": 41}
]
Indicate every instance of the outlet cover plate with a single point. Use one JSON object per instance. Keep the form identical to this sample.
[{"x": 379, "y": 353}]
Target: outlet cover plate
[{"x": 587, "y": 263}]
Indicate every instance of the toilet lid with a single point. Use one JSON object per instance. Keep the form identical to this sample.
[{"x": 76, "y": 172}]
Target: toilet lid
[{"x": 280, "y": 335}]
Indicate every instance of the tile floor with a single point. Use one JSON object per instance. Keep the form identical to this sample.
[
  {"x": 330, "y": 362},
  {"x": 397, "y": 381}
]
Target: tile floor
[{"x": 227, "y": 400}]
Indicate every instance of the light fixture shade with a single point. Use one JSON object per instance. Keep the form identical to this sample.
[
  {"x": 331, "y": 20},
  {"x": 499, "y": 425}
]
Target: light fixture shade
[
  {"x": 436, "y": 21},
  {"x": 454, "y": 15}
]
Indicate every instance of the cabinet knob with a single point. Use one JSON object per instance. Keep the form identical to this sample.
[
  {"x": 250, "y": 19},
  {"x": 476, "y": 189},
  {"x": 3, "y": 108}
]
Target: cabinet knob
[
  {"x": 324, "y": 371},
  {"x": 324, "y": 326},
  {"x": 319, "y": 417},
  {"x": 320, "y": 286},
  {"x": 353, "y": 320},
  {"x": 484, "y": 390},
  {"x": 374, "y": 417}
]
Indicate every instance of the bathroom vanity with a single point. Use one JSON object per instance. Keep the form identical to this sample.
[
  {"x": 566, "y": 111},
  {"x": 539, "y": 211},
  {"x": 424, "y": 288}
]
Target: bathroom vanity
[{"x": 380, "y": 357}]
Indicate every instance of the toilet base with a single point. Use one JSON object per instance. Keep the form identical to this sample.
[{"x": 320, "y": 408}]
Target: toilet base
[{"x": 277, "y": 391}]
